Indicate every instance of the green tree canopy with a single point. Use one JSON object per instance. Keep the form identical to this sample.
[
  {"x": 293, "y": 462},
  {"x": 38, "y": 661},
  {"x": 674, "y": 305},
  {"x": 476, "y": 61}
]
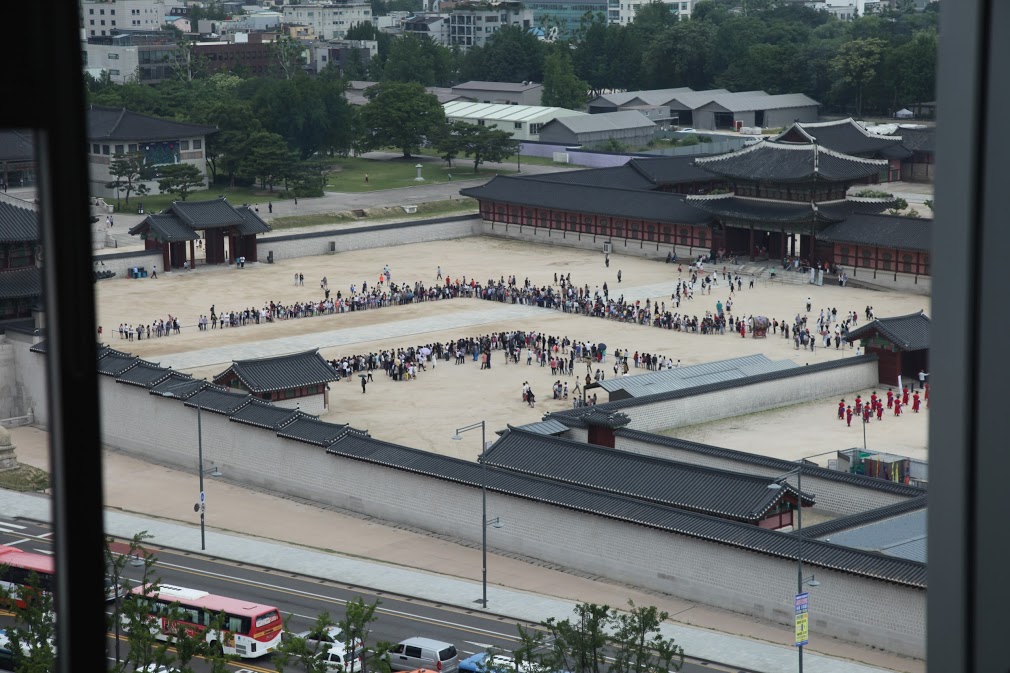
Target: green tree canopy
[
  {"x": 179, "y": 179},
  {"x": 562, "y": 88},
  {"x": 401, "y": 115}
]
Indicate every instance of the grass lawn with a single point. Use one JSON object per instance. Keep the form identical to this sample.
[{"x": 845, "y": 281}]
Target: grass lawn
[
  {"x": 349, "y": 173},
  {"x": 155, "y": 203},
  {"x": 456, "y": 206}
]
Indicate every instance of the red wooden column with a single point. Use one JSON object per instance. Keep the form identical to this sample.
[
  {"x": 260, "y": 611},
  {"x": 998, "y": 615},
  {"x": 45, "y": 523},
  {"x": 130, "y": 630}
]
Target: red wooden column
[
  {"x": 165, "y": 257},
  {"x": 192, "y": 254}
]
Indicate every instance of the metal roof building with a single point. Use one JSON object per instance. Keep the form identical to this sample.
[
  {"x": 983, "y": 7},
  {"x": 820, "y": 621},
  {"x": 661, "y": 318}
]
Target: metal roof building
[
  {"x": 627, "y": 127},
  {"x": 681, "y": 378},
  {"x": 522, "y": 121}
]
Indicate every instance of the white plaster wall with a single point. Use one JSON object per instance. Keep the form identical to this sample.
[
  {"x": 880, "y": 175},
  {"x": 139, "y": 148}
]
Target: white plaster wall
[
  {"x": 371, "y": 238},
  {"x": 29, "y": 373},
  {"x": 311, "y": 404}
]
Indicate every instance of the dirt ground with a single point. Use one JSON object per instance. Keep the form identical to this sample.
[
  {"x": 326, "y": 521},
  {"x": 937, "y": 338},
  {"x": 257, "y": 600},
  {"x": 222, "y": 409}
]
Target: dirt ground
[{"x": 426, "y": 411}]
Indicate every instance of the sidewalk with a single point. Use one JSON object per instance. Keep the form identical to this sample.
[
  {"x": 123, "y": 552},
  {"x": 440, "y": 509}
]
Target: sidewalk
[{"x": 373, "y": 554}]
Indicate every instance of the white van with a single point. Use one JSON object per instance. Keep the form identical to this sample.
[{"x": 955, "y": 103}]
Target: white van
[{"x": 414, "y": 653}]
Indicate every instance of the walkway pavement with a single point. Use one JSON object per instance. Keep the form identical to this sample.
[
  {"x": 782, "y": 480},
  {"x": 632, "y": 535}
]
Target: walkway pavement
[{"x": 516, "y": 604}]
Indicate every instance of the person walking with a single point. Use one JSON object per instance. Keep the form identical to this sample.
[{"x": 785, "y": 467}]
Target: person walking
[
  {"x": 270, "y": 206},
  {"x": 154, "y": 271},
  {"x": 922, "y": 379},
  {"x": 439, "y": 276},
  {"x": 363, "y": 381},
  {"x": 618, "y": 276}
]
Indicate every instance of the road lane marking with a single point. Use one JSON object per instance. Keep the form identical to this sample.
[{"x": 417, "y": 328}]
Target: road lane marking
[
  {"x": 17, "y": 542},
  {"x": 12, "y": 525}
]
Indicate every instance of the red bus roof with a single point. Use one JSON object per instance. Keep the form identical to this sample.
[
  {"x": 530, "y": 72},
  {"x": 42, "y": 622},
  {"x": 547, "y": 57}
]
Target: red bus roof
[
  {"x": 19, "y": 558},
  {"x": 202, "y": 599}
]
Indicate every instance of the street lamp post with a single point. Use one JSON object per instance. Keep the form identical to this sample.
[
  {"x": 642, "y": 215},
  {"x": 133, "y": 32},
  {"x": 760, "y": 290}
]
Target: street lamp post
[
  {"x": 519, "y": 159},
  {"x": 496, "y": 522},
  {"x": 800, "y": 580},
  {"x": 213, "y": 471}
]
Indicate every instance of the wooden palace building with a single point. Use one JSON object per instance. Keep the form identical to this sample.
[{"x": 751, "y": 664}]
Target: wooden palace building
[{"x": 795, "y": 194}]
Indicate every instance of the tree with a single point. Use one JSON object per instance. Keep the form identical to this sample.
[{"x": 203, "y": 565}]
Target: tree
[
  {"x": 236, "y": 124},
  {"x": 682, "y": 55},
  {"x": 579, "y": 647},
  {"x": 180, "y": 179},
  {"x": 185, "y": 62},
  {"x": 856, "y": 64},
  {"x": 303, "y": 652},
  {"x": 639, "y": 647},
  {"x": 127, "y": 169},
  {"x": 267, "y": 159},
  {"x": 33, "y": 631},
  {"x": 356, "y": 627},
  {"x": 479, "y": 142},
  {"x": 399, "y": 114},
  {"x": 562, "y": 88},
  {"x": 418, "y": 59},
  {"x": 288, "y": 55}
]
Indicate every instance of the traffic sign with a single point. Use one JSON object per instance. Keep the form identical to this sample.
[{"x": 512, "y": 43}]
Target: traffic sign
[{"x": 203, "y": 496}]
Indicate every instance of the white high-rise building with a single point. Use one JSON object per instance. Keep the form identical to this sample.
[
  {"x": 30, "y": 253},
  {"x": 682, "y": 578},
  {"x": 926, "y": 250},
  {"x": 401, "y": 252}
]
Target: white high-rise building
[
  {"x": 101, "y": 18},
  {"x": 623, "y": 11}
]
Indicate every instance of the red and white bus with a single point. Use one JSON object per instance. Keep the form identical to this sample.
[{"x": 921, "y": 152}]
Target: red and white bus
[
  {"x": 251, "y": 630},
  {"x": 17, "y": 566}
]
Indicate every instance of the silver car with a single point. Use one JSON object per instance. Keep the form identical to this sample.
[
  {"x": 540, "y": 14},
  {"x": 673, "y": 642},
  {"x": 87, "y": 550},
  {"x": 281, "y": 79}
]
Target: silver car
[{"x": 414, "y": 653}]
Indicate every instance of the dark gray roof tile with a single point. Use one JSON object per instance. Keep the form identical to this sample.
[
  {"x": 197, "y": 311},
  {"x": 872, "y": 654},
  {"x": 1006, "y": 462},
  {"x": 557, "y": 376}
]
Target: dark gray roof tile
[
  {"x": 786, "y": 162},
  {"x": 21, "y": 283},
  {"x": 618, "y": 203},
  {"x": 179, "y": 385},
  {"x": 144, "y": 374},
  {"x": 816, "y": 553},
  {"x": 115, "y": 363},
  {"x": 712, "y": 491},
  {"x": 745, "y": 458},
  {"x": 18, "y": 224},
  {"x": 262, "y": 414},
  {"x": 847, "y": 137},
  {"x": 907, "y": 332},
  {"x": 886, "y": 231},
  {"x": 17, "y": 146},
  {"x": 672, "y": 170},
  {"x": 283, "y": 372},
  {"x": 218, "y": 400},
  {"x": 313, "y": 431},
  {"x": 862, "y": 518},
  {"x": 110, "y": 123}
]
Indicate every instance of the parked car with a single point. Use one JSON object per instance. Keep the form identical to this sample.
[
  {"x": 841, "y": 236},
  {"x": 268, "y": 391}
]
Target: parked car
[
  {"x": 414, "y": 653},
  {"x": 688, "y": 130},
  {"x": 484, "y": 662},
  {"x": 320, "y": 641},
  {"x": 339, "y": 659}
]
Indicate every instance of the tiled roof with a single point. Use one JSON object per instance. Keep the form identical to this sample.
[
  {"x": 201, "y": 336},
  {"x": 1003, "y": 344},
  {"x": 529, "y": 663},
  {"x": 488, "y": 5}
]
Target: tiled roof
[
  {"x": 313, "y": 431},
  {"x": 110, "y": 123},
  {"x": 907, "y": 332},
  {"x": 40, "y": 347},
  {"x": 18, "y": 224},
  {"x": 672, "y": 170},
  {"x": 548, "y": 427},
  {"x": 918, "y": 140},
  {"x": 728, "y": 206},
  {"x": 646, "y": 97},
  {"x": 618, "y": 177},
  {"x": 145, "y": 375},
  {"x": 283, "y": 372},
  {"x": 847, "y": 137},
  {"x": 607, "y": 121},
  {"x": 826, "y": 528},
  {"x": 571, "y": 417},
  {"x": 21, "y": 283},
  {"x": 179, "y": 385},
  {"x": 181, "y": 220},
  {"x": 262, "y": 414},
  {"x": 885, "y": 231},
  {"x": 777, "y": 464},
  {"x": 619, "y": 203},
  {"x": 700, "y": 489},
  {"x": 16, "y": 146},
  {"x": 785, "y": 162},
  {"x": 165, "y": 227},
  {"x": 219, "y": 400},
  {"x": 702, "y": 526},
  {"x": 115, "y": 363},
  {"x": 22, "y": 326}
]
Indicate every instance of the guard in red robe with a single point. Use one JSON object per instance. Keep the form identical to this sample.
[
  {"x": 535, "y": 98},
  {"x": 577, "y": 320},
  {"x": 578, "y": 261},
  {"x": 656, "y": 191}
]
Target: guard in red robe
[
  {"x": 867, "y": 413},
  {"x": 897, "y": 407},
  {"x": 859, "y": 405},
  {"x": 904, "y": 396},
  {"x": 890, "y": 398},
  {"x": 873, "y": 401},
  {"x": 841, "y": 410},
  {"x": 880, "y": 411},
  {"x": 848, "y": 415},
  {"x": 915, "y": 402}
]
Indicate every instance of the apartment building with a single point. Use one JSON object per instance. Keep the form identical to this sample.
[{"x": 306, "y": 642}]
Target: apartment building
[
  {"x": 144, "y": 57},
  {"x": 473, "y": 24},
  {"x": 101, "y": 18},
  {"x": 623, "y": 12},
  {"x": 329, "y": 21}
]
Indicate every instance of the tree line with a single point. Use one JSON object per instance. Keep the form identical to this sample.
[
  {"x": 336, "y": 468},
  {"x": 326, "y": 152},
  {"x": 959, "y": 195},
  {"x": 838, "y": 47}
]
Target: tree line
[{"x": 598, "y": 639}]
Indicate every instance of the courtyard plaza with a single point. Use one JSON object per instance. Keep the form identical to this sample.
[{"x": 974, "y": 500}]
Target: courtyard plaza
[{"x": 424, "y": 413}]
